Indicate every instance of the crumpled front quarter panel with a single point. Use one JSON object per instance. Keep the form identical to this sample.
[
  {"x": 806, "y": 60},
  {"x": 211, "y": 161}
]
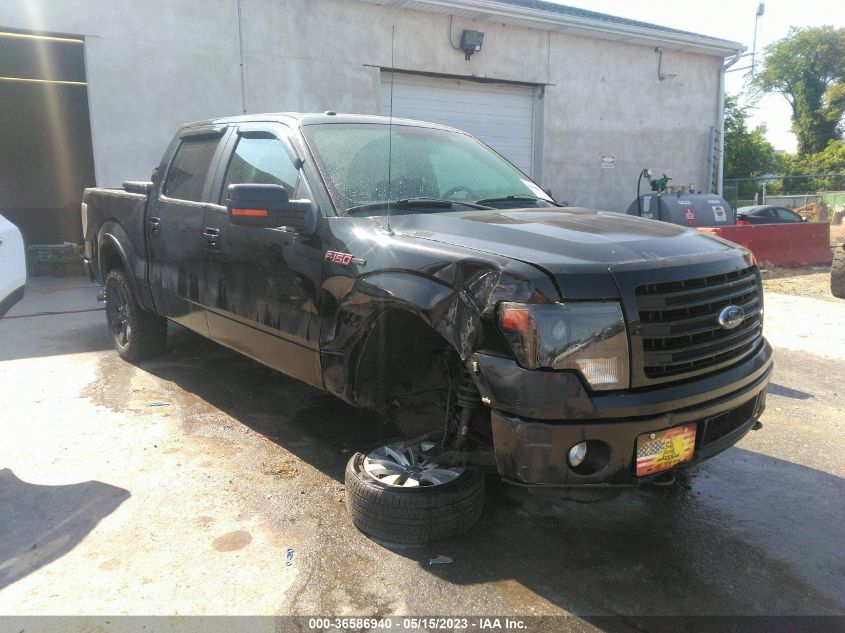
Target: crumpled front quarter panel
[{"x": 451, "y": 289}]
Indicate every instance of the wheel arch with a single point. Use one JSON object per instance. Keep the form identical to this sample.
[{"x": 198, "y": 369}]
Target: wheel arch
[
  {"x": 388, "y": 321},
  {"x": 399, "y": 355},
  {"x": 112, "y": 252}
]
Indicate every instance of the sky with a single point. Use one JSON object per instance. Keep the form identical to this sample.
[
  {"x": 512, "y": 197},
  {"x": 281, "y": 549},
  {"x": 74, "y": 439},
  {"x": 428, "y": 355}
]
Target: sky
[{"x": 734, "y": 20}]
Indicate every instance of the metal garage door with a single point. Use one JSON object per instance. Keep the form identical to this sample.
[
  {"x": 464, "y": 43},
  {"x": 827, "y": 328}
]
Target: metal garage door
[{"x": 501, "y": 115}]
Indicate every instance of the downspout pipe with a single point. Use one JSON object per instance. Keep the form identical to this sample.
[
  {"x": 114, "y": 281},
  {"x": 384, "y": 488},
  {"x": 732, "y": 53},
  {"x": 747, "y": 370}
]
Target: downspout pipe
[
  {"x": 241, "y": 53},
  {"x": 730, "y": 62}
]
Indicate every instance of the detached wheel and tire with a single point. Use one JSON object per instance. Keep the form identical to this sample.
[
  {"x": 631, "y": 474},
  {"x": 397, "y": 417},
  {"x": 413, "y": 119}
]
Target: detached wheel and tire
[
  {"x": 837, "y": 273},
  {"x": 398, "y": 493},
  {"x": 136, "y": 332}
]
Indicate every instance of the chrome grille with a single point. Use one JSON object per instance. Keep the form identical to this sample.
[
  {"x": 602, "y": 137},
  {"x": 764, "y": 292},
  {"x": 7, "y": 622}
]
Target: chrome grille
[{"x": 679, "y": 322}]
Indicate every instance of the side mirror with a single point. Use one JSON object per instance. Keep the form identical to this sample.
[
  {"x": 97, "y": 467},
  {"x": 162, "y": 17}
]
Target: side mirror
[
  {"x": 804, "y": 218},
  {"x": 266, "y": 206}
]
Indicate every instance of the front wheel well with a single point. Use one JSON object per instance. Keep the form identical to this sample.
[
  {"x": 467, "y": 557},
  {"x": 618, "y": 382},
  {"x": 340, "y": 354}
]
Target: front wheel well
[{"x": 403, "y": 364}]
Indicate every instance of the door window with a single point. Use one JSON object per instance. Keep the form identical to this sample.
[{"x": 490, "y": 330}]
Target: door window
[
  {"x": 786, "y": 214},
  {"x": 187, "y": 173},
  {"x": 261, "y": 160}
]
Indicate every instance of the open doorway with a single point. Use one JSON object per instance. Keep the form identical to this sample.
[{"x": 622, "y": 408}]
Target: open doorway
[{"x": 46, "y": 156}]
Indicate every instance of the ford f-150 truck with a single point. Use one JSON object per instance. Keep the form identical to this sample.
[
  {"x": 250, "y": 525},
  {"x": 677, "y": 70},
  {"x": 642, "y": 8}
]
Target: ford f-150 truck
[{"x": 406, "y": 267}]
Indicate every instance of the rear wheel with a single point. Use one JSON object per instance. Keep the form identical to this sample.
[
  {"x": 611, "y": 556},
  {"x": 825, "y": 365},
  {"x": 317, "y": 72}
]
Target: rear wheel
[
  {"x": 400, "y": 493},
  {"x": 837, "y": 273},
  {"x": 136, "y": 332}
]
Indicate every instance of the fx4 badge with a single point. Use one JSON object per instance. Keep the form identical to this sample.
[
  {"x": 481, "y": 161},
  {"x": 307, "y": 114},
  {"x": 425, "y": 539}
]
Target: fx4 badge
[{"x": 344, "y": 259}]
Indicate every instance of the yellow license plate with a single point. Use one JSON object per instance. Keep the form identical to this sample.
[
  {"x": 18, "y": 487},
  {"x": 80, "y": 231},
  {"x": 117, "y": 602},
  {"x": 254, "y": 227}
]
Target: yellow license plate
[{"x": 663, "y": 449}]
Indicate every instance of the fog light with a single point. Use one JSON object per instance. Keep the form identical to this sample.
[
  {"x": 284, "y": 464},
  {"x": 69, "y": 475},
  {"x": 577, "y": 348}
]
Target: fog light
[
  {"x": 577, "y": 454},
  {"x": 604, "y": 373}
]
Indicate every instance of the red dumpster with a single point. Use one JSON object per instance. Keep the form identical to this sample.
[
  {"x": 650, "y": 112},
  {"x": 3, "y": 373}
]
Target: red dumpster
[{"x": 799, "y": 244}]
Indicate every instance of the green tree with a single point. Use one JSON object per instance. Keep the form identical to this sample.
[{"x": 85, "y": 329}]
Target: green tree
[
  {"x": 807, "y": 67},
  {"x": 747, "y": 152},
  {"x": 831, "y": 160}
]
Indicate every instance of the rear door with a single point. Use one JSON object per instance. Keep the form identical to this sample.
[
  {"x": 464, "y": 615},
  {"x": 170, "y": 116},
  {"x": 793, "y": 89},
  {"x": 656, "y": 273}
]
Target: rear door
[
  {"x": 175, "y": 228},
  {"x": 262, "y": 284}
]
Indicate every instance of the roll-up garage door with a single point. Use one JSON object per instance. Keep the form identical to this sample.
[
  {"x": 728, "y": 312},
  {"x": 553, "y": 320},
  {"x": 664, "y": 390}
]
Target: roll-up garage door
[{"x": 501, "y": 115}]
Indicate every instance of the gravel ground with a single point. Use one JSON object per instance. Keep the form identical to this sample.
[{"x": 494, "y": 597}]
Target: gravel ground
[{"x": 811, "y": 281}]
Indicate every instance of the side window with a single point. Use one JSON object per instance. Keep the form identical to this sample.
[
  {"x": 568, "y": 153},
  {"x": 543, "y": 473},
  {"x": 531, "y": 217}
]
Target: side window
[
  {"x": 187, "y": 173},
  {"x": 786, "y": 214},
  {"x": 261, "y": 160}
]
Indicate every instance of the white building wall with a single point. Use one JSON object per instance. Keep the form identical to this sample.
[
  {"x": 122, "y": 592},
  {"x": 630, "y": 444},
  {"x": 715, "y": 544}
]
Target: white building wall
[
  {"x": 607, "y": 101},
  {"x": 150, "y": 67},
  {"x": 153, "y": 65}
]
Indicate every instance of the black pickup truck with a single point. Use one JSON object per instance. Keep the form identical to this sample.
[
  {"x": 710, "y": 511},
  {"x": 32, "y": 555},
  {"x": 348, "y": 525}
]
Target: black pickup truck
[{"x": 406, "y": 267}]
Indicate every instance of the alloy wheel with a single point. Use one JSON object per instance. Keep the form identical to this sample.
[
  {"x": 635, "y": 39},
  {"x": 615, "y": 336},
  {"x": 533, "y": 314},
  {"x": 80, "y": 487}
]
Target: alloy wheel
[{"x": 409, "y": 465}]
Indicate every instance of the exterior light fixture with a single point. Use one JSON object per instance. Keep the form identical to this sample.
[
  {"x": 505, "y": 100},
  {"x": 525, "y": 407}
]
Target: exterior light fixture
[{"x": 471, "y": 42}]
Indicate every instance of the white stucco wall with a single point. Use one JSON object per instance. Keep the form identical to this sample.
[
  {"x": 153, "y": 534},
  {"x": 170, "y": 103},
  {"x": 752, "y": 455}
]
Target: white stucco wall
[
  {"x": 150, "y": 67},
  {"x": 154, "y": 65}
]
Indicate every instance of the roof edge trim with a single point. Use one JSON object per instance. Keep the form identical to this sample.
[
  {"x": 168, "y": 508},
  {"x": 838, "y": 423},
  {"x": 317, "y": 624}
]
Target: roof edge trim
[{"x": 580, "y": 25}]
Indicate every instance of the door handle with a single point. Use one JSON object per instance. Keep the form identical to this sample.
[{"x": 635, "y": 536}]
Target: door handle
[
  {"x": 155, "y": 225},
  {"x": 212, "y": 238}
]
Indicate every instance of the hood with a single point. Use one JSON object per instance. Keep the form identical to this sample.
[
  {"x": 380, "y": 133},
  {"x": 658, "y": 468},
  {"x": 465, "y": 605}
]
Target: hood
[{"x": 576, "y": 246}]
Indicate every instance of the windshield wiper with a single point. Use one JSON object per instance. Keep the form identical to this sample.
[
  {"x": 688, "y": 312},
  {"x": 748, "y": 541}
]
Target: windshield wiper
[
  {"x": 520, "y": 197},
  {"x": 413, "y": 203},
  {"x": 514, "y": 196}
]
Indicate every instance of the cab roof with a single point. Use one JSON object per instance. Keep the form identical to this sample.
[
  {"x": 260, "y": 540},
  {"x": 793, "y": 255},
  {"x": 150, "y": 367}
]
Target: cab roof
[{"x": 316, "y": 118}]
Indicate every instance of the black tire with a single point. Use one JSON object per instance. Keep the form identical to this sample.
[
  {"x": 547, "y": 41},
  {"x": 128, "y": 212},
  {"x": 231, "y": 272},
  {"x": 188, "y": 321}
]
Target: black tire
[
  {"x": 837, "y": 273},
  {"x": 412, "y": 515},
  {"x": 136, "y": 333}
]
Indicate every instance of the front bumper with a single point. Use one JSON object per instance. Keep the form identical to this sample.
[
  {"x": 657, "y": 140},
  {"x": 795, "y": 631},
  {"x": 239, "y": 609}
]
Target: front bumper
[{"x": 538, "y": 416}]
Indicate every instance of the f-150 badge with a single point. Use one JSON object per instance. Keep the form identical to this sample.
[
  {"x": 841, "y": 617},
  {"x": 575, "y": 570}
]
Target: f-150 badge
[{"x": 344, "y": 259}]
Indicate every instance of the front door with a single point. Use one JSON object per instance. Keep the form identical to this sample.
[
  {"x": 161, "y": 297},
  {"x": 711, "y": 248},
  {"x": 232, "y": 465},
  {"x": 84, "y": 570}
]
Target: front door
[
  {"x": 175, "y": 232},
  {"x": 262, "y": 284}
]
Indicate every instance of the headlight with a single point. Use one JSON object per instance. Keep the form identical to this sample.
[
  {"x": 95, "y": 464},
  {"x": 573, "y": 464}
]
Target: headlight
[{"x": 587, "y": 337}]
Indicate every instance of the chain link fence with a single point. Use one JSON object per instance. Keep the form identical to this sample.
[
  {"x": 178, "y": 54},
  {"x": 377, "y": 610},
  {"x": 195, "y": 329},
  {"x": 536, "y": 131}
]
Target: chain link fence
[{"x": 800, "y": 193}]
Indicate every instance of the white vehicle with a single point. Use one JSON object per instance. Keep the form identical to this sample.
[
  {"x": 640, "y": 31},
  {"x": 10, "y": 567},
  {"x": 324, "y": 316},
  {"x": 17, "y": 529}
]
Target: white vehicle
[{"x": 12, "y": 266}]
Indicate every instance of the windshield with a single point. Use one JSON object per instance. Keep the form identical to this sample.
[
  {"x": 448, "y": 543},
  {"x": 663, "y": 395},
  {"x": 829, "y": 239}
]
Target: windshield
[{"x": 426, "y": 163}]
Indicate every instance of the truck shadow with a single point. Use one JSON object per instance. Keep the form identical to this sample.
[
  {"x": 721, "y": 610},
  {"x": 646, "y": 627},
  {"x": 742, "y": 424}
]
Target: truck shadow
[
  {"x": 318, "y": 428},
  {"x": 53, "y": 335},
  {"x": 40, "y": 524},
  {"x": 744, "y": 533},
  {"x": 788, "y": 392},
  {"x": 58, "y": 315}
]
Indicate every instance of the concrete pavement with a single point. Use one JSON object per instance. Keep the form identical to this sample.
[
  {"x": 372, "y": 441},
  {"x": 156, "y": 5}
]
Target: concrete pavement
[{"x": 204, "y": 483}]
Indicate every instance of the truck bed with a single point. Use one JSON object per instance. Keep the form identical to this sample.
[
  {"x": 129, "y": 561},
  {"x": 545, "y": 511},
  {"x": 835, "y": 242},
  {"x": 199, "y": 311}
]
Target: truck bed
[{"x": 123, "y": 213}]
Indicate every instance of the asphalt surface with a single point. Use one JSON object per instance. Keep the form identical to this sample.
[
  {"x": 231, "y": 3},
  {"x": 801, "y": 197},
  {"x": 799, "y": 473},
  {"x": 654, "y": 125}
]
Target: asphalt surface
[{"x": 205, "y": 483}]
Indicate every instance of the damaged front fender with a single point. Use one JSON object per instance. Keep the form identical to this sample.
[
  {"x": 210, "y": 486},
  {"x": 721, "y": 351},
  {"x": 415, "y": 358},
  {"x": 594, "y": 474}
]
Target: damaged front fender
[{"x": 451, "y": 292}]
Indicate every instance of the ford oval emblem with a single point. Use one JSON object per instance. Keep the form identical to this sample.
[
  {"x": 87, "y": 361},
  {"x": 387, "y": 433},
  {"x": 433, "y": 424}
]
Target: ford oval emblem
[{"x": 731, "y": 316}]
